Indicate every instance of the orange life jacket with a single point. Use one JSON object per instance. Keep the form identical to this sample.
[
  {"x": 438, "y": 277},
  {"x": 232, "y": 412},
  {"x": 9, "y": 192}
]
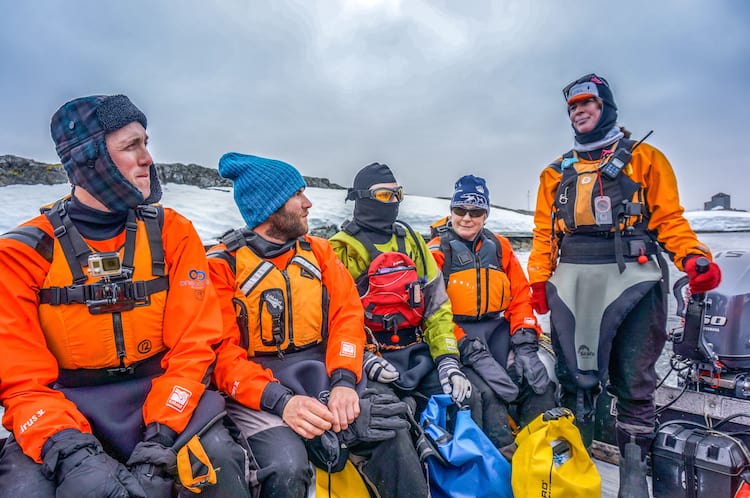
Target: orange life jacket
[
  {"x": 278, "y": 311},
  {"x": 474, "y": 278},
  {"x": 109, "y": 322}
]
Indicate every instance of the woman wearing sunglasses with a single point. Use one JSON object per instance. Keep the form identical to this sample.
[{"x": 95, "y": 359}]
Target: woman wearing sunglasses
[
  {"x": 490, "y": 298},
  {"x": 604, "y": 210}
]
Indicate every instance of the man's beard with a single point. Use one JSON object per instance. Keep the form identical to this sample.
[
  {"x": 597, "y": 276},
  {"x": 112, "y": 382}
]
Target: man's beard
[{"x": 284, "y": 225}]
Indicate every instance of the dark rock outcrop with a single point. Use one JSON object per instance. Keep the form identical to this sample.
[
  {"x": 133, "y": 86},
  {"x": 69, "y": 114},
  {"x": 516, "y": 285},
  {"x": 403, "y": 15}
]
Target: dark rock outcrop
[{"x": 18, "y": 170}]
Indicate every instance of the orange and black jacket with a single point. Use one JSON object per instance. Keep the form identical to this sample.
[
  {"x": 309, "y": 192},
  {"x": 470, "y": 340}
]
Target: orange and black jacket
[
  {"x": 483, "y": 288},
  {"x": 38, "y": 339},
  {"x": 314, "y": 275},
  {"x": 655, "y": 191}
]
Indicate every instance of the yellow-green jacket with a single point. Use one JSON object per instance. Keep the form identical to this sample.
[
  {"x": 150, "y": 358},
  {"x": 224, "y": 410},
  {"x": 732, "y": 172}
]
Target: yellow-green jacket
[{"x": 437, "y": 325}]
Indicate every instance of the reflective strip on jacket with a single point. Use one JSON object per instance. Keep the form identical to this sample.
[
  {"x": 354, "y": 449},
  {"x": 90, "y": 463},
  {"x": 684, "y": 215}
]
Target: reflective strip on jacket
[
  {"x": 659, "y": 196},
  {"x": 244, "y": 379},
  {"x": 438, "y": 326},
  {"x": 33, "y": 410},
  {"x": 515, "y": 286}
]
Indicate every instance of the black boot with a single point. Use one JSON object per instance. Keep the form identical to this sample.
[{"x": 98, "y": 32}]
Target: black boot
[
  {"x": 633, "y": 473},
  {"x": 633, "y": 451}
]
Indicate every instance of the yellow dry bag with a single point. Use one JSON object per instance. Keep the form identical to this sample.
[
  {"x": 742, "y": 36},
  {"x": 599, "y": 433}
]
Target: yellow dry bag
[
  {"x": 347, "y": 483},
  {"x": 552, "y": 461}
]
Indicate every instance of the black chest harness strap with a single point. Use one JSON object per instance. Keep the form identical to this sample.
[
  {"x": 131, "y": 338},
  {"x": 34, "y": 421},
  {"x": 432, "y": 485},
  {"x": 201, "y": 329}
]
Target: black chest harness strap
[{"x": 77, "y": 252}]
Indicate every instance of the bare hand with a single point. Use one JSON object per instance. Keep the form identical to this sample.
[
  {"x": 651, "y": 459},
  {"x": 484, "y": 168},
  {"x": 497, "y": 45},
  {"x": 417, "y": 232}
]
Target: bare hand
[
  {"x": 307, "y": 416},
  {"x": 344, "y": 406}
]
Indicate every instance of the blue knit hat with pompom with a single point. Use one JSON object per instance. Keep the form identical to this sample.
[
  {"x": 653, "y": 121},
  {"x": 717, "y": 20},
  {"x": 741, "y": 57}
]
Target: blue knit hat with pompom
[{"x": 261, "y": 186}]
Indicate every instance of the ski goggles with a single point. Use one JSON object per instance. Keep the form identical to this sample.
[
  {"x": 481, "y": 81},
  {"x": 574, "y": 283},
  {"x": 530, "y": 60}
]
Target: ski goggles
[
  {"x": 381, "y": 194},
  {"x": 583, "y": 88},
  {"x": 474, "y": 213}
]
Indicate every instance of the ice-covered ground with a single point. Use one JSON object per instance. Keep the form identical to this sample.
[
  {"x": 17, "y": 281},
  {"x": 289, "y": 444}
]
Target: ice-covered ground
[{"x": 213, "y": 211}]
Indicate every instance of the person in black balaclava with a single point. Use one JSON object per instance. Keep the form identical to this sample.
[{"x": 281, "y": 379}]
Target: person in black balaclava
[
  {"x": 421, "y": 357},
  {"x": 371, "y": 214}
]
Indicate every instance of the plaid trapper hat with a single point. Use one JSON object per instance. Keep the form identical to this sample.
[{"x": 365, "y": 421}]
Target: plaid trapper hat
[{"x": 78, "y": 129}]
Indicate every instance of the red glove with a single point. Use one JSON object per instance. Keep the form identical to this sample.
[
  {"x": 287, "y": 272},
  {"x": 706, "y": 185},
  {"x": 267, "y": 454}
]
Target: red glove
[
  {"x": 539, "y": 297},
  {"x": 702, "y": 282}
]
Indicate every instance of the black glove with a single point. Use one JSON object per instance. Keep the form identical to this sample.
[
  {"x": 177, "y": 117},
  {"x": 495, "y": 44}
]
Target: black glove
[
  {"x": 380, "y": 416},
  {"x": 453, "y": 380},
  {"x": 525, "y": 345},
  {"x": 154, "y": 463},
  {"x": 474, "y": 354},
  {"x": 77, "y": 464}
]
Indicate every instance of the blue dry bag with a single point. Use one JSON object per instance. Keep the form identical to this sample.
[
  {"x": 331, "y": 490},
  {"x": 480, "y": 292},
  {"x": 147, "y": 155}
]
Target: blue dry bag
[{"x": 472, "y": 467}]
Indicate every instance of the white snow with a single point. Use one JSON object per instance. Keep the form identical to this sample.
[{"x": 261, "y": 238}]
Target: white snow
[{"x": 213, "y": 211}]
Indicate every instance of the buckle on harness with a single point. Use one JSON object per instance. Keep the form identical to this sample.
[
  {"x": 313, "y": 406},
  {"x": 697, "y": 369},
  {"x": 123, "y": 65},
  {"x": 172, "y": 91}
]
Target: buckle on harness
[{"x": 121, "y": 371}]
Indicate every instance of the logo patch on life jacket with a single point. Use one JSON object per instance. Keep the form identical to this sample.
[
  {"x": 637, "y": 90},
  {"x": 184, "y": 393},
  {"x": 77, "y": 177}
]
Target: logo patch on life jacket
[
  {"x": 529, "y": 322},
  {"x": 178, "y": 398},
  {"x": 348, "y": 349}
]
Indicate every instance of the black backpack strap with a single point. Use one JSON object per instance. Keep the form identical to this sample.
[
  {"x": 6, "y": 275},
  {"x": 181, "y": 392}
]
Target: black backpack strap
[
  {"x": 414, "y": 236},
  {"x": 153, "y": 218},
  {"x": 445, "y": 247},
  {"x": 34, "y": 237},
  {"x": 74, "y": 247},
  {"x": 128, "y": 256},
  {"x": 350, "y": 227}
]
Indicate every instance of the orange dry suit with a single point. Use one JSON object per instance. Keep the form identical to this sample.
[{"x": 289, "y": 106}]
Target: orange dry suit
[
  {"x": 153, "y": 324},
  {"x": 301, "y": 300},
  {"x": 602, "y": 238}
]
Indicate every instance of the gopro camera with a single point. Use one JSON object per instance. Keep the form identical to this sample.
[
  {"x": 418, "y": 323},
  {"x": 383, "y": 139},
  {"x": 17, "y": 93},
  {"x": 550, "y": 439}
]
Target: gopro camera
[
  {"x": 105, "y": 264},
  {"x": 618, "y": 161}
]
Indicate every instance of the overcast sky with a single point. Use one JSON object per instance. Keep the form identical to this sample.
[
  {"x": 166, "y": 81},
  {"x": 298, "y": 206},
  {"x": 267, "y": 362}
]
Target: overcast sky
[{"x": 435, "y": 89}]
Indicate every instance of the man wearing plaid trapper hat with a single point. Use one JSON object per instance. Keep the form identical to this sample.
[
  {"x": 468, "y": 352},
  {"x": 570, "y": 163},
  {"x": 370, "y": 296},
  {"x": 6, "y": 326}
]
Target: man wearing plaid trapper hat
[{"x": 108, "y": 329}]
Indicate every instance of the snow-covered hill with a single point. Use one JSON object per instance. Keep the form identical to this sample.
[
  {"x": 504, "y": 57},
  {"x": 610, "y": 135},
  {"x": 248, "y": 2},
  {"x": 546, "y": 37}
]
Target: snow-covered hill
[{"x": 213, "y": 211}]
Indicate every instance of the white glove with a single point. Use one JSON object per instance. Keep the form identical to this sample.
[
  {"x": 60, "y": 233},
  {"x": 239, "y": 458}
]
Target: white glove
[
  {"x": 453, "y": 380},
  {"x": 379, "y": 369}
]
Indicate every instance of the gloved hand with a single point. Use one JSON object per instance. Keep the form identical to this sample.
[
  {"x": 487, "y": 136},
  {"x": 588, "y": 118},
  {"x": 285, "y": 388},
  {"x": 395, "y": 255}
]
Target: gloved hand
[
  {"x": 77, "y": 464},
  {"x": 701, "y": 282},
  {"x": 379, "y": 369},
  {"x": 380, "y": 416},
  {"x": 525, "y": 345},
  {"x": 539, "y": 297},
  {"x": 154, "y": 463},
  {"x": 474, "y": 354},
  {"x": 453, "y": 380}
]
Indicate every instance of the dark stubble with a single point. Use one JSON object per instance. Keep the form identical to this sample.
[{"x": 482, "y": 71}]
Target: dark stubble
[{"x": 284, "y": 225}]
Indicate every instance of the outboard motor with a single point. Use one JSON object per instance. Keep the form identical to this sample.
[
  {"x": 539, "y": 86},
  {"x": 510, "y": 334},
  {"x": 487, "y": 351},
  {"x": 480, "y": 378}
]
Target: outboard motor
[{"x": 716, "y": 332}]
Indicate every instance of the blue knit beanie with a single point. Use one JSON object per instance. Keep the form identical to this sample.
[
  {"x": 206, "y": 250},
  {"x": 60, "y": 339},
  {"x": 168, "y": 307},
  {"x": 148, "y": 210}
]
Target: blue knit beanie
[
  {"x": 471, "y": 191},
  {"x": 261, "y": 186}
]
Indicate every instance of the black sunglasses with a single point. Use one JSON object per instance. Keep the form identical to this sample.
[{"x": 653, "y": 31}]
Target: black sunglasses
[{"x": 474, "y": 213}]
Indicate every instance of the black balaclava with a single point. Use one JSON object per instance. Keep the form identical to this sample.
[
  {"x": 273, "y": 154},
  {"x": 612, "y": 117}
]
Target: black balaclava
[
  {"x": 369, "y": 213},
  {"x": 593, "y": 86}
]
